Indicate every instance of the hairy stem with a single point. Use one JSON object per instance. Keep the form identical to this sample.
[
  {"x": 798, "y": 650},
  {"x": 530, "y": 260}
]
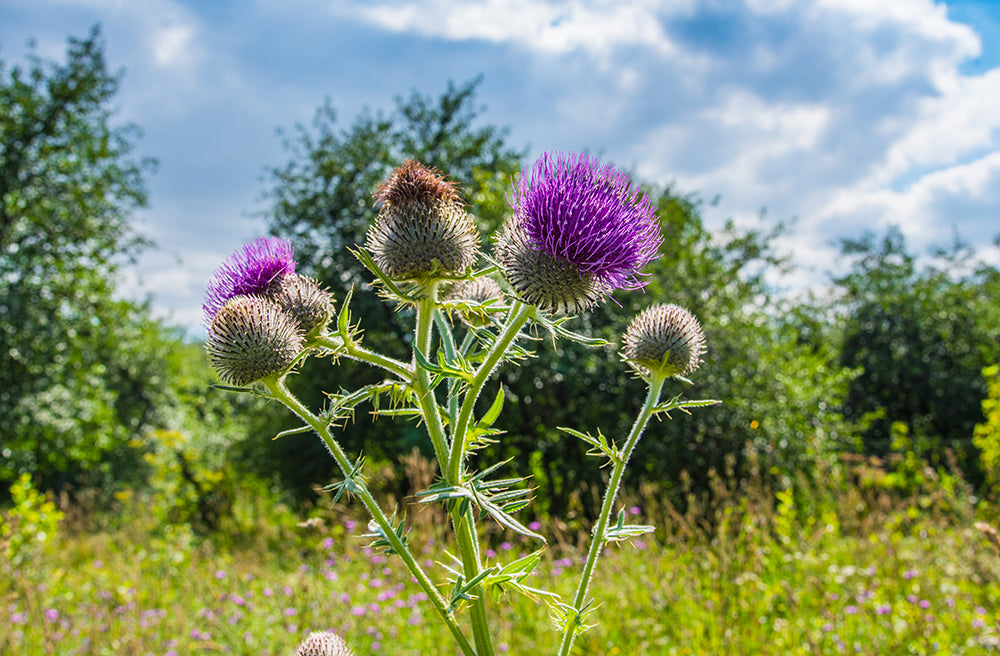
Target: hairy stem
[
  {"x": 517, "y": 317},
  {"x": 598, "y": 537},
  {"x": 281, "y": 393},
  {"x": 468, "y": 542},
  {"x": 355, "y": 351}
]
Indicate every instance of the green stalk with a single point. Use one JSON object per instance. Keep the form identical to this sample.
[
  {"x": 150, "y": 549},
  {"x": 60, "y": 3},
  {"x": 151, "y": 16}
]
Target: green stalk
[
  {"x": 422, "y": 380},
  {"x": 519, "y": 313},
  {"x": 357, "y": 352},
  {"x": 600, "y": 529},
  {"x": 468, "y": 542},
  {"x": 281, "y": 393}
]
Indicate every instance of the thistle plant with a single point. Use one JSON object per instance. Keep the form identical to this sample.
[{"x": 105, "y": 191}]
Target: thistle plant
[{"x": 578, "y": 232}]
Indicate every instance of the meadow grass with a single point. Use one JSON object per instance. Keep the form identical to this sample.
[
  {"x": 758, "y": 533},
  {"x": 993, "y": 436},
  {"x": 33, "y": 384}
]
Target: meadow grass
[{"x": 843, "y": 567}]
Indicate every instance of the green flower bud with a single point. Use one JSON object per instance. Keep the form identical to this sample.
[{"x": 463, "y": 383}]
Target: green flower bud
[
  {"x": 422, "y": 228},
  {"x": 664, "y": 340},
  {"x": 479, "y": 290},
  {"x": 304, "y": 299},
  {"x": 252, "y": 337},
  {"x": 324, "y": 644}
]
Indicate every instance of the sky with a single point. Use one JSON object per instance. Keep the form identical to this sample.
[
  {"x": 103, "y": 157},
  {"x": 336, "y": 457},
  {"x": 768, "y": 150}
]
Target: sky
[{"x": 841, "y": 116}]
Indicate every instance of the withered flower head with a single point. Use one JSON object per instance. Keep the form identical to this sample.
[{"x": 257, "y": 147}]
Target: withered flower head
[
  {"x": 412, "y": 182},
  {"x": 422, "y": 228}
]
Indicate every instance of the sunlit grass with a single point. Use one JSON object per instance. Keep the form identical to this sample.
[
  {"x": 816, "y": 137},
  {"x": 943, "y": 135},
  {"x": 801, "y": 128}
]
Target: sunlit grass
[{"x": 841, "y": 571}]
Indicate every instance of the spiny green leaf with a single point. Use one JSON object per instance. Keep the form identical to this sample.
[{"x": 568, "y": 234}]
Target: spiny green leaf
[
  {"x": 293, "y": 431},
  {"x": 622, "y": 531},
  {"x": 493, "y": 412},
  {"x": 388, "y": 285}
]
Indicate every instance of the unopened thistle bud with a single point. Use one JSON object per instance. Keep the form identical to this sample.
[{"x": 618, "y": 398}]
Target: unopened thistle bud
[
  {"x": 664, "y": 340},
  {"x": 480, "y": 290},
  {"x": 579, "y": 231},
  {"x": 252, "y": 337},
  {"x": 305, "y": 300},
  {"x": 324, "y": 644},
  {"x": 422, "y": 228}
]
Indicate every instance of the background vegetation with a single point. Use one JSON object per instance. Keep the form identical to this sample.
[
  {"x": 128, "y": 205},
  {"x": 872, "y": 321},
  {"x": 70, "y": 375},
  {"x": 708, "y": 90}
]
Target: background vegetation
[{"x": 858, "y": 442}]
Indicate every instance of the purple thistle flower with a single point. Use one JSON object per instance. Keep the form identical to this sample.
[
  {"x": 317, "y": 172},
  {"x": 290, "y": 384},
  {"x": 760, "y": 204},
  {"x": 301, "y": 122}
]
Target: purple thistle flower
[
  {"x": 580, "y": 230},
  {"x": 248, "y": 271}
]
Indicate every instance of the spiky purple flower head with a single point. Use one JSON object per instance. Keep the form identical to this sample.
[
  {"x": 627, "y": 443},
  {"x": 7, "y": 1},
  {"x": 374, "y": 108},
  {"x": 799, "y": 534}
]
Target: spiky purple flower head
[
  {"x": 248, "y": 271},
  {"x": 580, "y": 230}
]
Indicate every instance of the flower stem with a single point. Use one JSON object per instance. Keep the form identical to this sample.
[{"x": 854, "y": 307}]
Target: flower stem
[
  {"x": 281, "y": 393},
  {"x": 465, "y": 531},
  {"x": 519, "y": 313},
  {"x": 355, "y": 351},
  {"x": 598, "y": 537},
  {"x": 422, "y": 381}
]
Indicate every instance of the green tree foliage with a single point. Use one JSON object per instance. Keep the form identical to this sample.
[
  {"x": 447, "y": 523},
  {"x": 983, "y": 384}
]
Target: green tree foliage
[
  {"x": 922, "y": 336},
  {"x": 80, "y": 372},
  {"x": 987, "y": 434}
]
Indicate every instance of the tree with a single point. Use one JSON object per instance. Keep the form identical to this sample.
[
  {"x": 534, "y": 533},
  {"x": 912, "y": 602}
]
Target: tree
[
  {"x": 80, "y": 372},
  {"x": 922, "y": 336}
]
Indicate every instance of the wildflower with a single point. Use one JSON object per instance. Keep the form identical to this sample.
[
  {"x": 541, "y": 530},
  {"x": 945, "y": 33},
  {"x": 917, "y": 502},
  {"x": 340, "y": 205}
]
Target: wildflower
[
  {"x": 579, "y": 231},
  {"x": 422, "y": 228},
  {"x": 664, "y": 340},
  {"x": 248, "y": 271},
  {"x": 250, "y": 338}
]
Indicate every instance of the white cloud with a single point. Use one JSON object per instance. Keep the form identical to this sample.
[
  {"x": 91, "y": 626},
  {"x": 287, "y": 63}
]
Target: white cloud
[
  {"x": 962, "y": 195},
  {"x": 172, "y": 45},
  {"x": 598, "y": 27},
  {"x": 949, "y": 127}
]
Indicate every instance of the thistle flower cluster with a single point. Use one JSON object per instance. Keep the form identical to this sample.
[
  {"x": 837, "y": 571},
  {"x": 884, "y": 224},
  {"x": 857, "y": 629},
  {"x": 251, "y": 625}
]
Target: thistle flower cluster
[
  {"x": 579, "y": 231},
  {"x": 260, "y": 312}
]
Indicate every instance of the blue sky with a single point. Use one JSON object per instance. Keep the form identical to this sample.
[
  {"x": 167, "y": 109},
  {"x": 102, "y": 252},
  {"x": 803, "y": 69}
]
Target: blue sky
[{"x": 844, "y": 115}]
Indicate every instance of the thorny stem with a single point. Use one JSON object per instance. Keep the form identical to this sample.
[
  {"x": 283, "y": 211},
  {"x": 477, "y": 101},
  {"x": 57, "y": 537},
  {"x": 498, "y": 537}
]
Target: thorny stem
[
  {"x": 422, "y": 380},
  {"x": 468, "y": 542},
  {"x": 355, "y": 351},
  {"x": 519, "y": 313},
  {"x": 599, "y": 535},
  {"x": 280, "y": 392}
]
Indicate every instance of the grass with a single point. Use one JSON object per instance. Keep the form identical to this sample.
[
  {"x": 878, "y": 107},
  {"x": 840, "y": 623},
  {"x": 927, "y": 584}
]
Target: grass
[{"x": 847, "y": 567}]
